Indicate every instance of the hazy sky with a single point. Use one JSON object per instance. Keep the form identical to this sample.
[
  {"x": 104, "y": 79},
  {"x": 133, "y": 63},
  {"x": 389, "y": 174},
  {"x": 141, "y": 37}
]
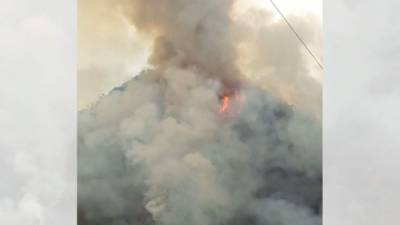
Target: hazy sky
[
  {"x": 37, "y": 112},
  {"x": 110, "y": 52}
]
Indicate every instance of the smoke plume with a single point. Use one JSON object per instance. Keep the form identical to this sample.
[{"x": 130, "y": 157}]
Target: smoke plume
[
  {"x": 189, "y": 33},
  {"x": 159, "y": 150}
]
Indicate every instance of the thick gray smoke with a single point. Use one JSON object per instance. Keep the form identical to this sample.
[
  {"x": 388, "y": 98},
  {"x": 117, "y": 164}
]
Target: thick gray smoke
[
  {"x": 158, "y": 151},
  {"x": 189, "y": 33}
]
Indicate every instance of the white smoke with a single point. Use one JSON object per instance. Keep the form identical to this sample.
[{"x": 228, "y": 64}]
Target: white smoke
[{"x": 156, "y": 150}]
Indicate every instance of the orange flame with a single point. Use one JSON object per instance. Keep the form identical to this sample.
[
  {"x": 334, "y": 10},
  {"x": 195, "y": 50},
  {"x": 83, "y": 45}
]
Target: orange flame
[{"x": 225, "y": 104}]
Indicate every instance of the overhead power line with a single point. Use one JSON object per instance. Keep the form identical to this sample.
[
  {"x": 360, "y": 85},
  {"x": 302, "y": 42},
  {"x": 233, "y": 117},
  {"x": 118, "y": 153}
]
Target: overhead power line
[{"x": 296, "y": 34}]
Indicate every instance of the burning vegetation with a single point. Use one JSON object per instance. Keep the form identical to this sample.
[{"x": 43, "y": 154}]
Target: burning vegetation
[
  {"x": 225, "y": 104},
  {"x": 230, "y": 104}
]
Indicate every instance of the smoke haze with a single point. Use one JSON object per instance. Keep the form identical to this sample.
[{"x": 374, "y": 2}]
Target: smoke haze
[{"x": 157, "y": 151}]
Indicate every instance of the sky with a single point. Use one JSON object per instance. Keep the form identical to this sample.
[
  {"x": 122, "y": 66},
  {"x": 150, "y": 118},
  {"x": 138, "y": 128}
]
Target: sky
[
  {"x": 37, "y": 112},
  {"x": 111, "y": 52},
  {"x": 361, "y": 96},
  {"x": 291, "y": 6}
]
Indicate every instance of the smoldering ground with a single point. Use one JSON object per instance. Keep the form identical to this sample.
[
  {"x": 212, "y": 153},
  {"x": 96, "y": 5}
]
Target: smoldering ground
[{"x": 156, "y": 150}]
